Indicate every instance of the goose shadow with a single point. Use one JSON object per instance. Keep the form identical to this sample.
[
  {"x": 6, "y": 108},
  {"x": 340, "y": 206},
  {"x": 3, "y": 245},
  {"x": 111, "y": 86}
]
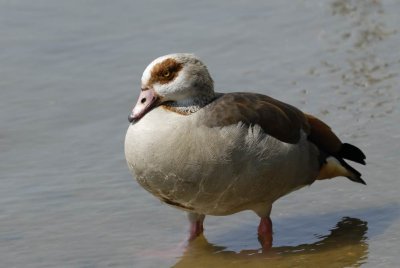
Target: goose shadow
[{"x": 345, "y": 245}]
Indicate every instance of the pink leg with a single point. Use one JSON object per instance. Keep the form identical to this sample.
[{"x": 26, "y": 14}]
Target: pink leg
[
  {"x": 196, "y": 225},
  {"x": 265, "y": 232},
  {"x": 196, "y": 229}
]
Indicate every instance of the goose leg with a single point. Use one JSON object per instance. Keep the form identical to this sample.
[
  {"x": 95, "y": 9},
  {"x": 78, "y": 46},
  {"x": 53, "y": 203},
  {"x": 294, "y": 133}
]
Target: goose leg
[
  {"x": 196, "y": 225},
  {"x": 265, "y": 226},
  {"x": 265, "y": 232}
]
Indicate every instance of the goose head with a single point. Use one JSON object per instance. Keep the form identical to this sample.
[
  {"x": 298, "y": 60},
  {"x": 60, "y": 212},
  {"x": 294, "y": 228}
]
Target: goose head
[{"x": 178, "y": 80}]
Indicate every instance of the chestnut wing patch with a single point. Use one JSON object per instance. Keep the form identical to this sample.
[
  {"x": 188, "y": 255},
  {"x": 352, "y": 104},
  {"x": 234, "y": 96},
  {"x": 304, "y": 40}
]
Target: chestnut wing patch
[
  {"x": 278, "y": 119},
  {"x": 322, "y": 135},
  {"x": 327, "y": 141}
]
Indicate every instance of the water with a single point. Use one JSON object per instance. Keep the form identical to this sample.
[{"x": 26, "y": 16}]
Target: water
[{"x": 70, "y": 73}]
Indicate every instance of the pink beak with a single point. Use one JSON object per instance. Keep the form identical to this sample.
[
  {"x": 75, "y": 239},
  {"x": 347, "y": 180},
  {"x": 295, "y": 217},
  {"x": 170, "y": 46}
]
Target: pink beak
[{"x": 147, "y": 101}]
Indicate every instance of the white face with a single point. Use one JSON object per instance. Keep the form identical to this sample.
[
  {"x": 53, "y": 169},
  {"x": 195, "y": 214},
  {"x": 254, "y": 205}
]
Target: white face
[
  {"x": 177, "y": 77},
  {"x": 147, "y": 72}
]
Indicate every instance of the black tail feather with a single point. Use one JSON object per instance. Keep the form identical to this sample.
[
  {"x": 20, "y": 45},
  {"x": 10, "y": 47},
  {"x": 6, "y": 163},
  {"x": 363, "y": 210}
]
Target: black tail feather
[
  {"x": 356, "y": 175},
  {"x": 351, "y": 152}
]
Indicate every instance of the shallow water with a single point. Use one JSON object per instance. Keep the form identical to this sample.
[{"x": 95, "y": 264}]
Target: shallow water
[{"x": 70, "y": 73}]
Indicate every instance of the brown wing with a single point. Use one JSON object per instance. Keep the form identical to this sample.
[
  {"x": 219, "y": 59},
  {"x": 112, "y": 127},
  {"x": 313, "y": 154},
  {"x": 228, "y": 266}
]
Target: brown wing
[
  {"x": 276, "y": 118},
  {"x": 284, "y": 122},
  {"x": 322, "y": 136},
  {"x": 330, "y": 145}
]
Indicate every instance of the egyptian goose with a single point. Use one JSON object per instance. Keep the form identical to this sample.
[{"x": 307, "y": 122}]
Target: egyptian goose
[{"x": 210, "y": 153}]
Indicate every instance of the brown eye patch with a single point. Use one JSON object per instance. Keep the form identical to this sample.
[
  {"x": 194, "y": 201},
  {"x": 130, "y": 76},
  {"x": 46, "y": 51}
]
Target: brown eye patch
[{"x": 165, "y": 71}]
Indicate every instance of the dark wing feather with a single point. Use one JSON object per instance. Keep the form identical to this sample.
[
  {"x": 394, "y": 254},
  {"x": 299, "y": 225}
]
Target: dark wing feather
[
  {"x": 322, "y": 136},
  {"x": 278, "y": 119},
  {"x": 330, "y": 145},
  {"x": 282, "y": 121}
]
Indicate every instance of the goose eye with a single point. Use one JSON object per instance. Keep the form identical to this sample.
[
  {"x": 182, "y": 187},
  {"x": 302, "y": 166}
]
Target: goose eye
[{"x": 166, "y": 74}]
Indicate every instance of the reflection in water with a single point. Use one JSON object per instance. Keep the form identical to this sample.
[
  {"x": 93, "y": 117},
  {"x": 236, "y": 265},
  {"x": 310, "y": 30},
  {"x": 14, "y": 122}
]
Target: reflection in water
[{"x": 346, "y": 245}]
